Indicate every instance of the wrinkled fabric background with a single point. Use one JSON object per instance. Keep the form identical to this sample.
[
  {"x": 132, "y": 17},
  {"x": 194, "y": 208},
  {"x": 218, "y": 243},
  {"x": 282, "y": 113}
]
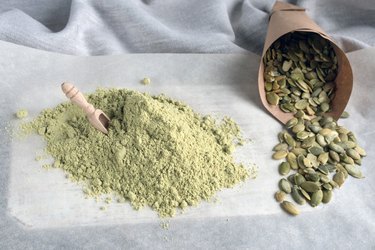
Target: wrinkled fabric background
[{"x": 79, "y": 27}]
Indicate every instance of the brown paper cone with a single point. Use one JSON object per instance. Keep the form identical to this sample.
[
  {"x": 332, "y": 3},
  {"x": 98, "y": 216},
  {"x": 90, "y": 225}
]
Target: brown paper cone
[{"x": 287, "y": 18}]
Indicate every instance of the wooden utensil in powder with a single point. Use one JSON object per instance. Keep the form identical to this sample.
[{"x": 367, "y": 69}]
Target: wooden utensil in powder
[{"x": 96, "y": 117}]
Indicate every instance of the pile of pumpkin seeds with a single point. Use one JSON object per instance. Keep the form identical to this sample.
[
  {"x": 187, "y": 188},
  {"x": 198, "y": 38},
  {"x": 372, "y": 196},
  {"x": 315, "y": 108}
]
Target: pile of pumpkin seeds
[
  {"x": 319, "y": 156},
  {"x": 300, "y": 68}
]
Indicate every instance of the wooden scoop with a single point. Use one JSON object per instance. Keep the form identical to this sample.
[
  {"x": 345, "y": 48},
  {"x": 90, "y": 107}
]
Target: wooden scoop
[{"x": 96, "y": 117}]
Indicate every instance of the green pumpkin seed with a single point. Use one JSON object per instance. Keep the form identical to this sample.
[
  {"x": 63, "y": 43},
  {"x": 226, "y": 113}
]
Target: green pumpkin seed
[
  {"x": 301, "y": 104},
  {"x": 315, "y": 128},
  {"x": 284, "y": 168},
  {"x": 289, "y": 140},
  {"x": 323, "y": 157},
  {"x": 327, "y": 186},
  {"x": 340, "y": 168},
  {"x": 284, "y": 185},
  {"x": 343, "y": 137},
  {"x": 360, "y": 151},
  {"x": 330, "y": 167},
  {"x": 327, "y": 196},
  {"x": 358, "y": 162},
  {"x": 300, "y": 161},
  {"x": 314, "y": 177},
  {"x": 353, "y": 154},
  {"x": 308, "y": 142},
  {"x": 310, "y": 186},
  {"x": 290, "y": 208},
  {"x": 298, "y": 128},
  {"x": 272, "y": 98},
  {"x": 324, "y": 179},
  {"x": 292, "y": 160},
  {"x": 343, "y": 130},
  {"x": 287, "y": 65},
  {"x": 333, "y": 184},
  {"x": 336, "y": 148},
  {"x": 299, "y": 151},
  {"x": 346, "y": 159},
  {"x": 316, "y": 198},
  {"x": 315, "y": 150},
  {"x": 291, "y": 178},
  {"x": 321, "y": 140},
  {"x": 324, "y": 107},
  {"x": 325, "y": 131},
  {"x": 292, "y": 122},
  {"x": 281, "y": 147},
  {"x": 297, "y": 197},
  {"x": 302, "y": 135},
  {"x": 278, "y": 155},
  {"x": 268, "y": 86},
  {"x": 350, "y": 144},
  {"x": 334, "y": 156},
  {"x": 339, "y": 178},
  {"x": 299, "y": 179},
  {"x": 353, "y": 171},
  {"x": 323, "y": 169},
  {"x": 305, "y": 194}
]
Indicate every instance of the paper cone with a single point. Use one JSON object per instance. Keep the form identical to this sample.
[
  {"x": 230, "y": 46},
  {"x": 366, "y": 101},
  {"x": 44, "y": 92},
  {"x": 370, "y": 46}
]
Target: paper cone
[{"x": 286, "y": 18}]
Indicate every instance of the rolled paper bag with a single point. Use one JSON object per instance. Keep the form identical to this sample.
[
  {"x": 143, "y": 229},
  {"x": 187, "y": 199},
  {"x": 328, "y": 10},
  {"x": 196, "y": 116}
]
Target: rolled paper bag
[{"x": 315, "y": 77}]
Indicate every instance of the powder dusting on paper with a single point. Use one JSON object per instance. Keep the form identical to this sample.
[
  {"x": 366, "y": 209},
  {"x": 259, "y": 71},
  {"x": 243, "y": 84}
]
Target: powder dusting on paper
[{"x": 158, "y": 151}]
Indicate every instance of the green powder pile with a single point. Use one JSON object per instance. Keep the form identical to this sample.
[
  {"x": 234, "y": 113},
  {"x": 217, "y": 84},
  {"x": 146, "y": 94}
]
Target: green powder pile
[{"x": 158, "y": 151}]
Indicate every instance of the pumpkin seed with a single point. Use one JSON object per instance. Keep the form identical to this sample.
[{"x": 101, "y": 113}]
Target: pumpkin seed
[
  {"x": 314, "y": 177},
  {"x": 360, "y": 151},
  {"x": 327, "y": 196},
  {"x": 323, "y": 157},
  {"x": 308, "y": 142},
  {"x": 292, "y": 160},
  {"x": 289, "y": 139},
  {"x": 336, "y": 148},
  {"x": 281, "y": 146},
  {"x": 315, "y": 150},
  {"x": 284, "y": 185},
  {"x": 298, "y": 128},
  {"x": 327, "y": 186},
  {"x": 353, "y": 171},
  {"x": 316, "y": 198},
  {"x": 305, "y": 194},
  {"x": 310, "y": 186},
  {"x": 272, "y": 98},
  {"x": 284, "y": 168},
  {"x": 299, "y": 179},
  {"x": 292, "y": 122},
  {"x": 339, "y": 178},
  {"x": 340, "y": 168},
  {"x": 290, "y": 208},
  {"x": 344, "y": 115},
  {"x": 287, "y": 65},
  {"x": 302, "y": 135},
  {"x": 353, "y": 154},
  {"x": 323, "y": 169},
  {"x": 299, "y": 151},
  {"x": 280, "y": 196},
  {"x": 278, "y": 155},
  {"x": 297, "y": 197}
]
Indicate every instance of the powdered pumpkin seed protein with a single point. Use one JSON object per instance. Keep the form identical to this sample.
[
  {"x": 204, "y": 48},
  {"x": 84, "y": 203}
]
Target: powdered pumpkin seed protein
[{"x": 158, "y": 151}]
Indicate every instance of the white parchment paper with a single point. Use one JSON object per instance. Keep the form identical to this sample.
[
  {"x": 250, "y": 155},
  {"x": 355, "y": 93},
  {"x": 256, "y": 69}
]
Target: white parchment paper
[{"x": 38, "y": 203}]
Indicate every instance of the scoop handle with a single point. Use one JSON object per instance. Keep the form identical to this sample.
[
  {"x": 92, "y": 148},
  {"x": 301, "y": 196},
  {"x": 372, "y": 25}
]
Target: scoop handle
[{"x": 77, "y": 97}]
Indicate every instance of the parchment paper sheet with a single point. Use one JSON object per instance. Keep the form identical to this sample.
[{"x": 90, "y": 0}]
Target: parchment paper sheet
[{"x": 41, "y": 209}]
